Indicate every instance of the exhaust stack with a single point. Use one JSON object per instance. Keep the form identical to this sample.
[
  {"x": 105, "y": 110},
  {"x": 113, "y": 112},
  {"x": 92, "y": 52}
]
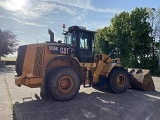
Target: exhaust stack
[{"x": 51, "y": 36}]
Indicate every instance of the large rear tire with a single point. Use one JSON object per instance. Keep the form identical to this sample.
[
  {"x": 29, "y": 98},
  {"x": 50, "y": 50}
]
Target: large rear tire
[
  {"x": 44, "y": 93},
  {"x": 64, "y": 83},
  {"x": 118, "y": 80}
]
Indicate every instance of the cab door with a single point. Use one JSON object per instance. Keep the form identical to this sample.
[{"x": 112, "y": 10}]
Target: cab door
[{"x": 85, "y": 49}]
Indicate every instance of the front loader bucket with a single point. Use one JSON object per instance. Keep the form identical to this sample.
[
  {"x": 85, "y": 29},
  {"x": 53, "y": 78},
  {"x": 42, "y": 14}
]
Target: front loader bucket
[{"x": 141, "y": 79}]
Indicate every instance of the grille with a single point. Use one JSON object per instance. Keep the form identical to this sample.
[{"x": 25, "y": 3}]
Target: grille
[{"x": 38, "y": 61}]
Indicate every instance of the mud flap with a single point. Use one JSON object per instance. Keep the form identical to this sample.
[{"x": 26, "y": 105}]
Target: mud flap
[{"x": 141, "y": 79}]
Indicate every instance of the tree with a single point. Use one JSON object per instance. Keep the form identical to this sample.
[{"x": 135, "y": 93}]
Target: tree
[
  {"x": 154, "y": 19},
  {"x": 8, "y": 43},
  {"x": 140, "y": 37},
  {"x": 119, "y": 35},
  {"x": 130, "y": 32},
  {"x": 102, "y": 44},
  {"x": 116, "y": 35}
]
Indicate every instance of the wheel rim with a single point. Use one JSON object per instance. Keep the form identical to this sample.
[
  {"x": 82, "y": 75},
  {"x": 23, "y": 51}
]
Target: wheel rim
[
  {"x": 121, "y": 80},
  {"x": 65, "y": 84}
]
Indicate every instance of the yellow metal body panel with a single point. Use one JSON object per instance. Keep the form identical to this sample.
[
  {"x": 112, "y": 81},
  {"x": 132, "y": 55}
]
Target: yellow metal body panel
[
  {"x": 31, "y": 59},
  {"x": 32, "y": 76},
  {"x": 18, "y": 80},
  {"x": 49, "y": 57},
  {"x": 27, "y": 81},
  {"x": 103, "y": 68},
  {"x": 38, "y": 63},
  {"x": 32, "y": 82},
  {"x": 88, "y": 65}
]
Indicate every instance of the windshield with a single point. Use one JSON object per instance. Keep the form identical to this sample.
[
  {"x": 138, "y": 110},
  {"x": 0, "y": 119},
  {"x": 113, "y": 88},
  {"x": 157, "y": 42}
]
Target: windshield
[{"x": 70, "y": 39}]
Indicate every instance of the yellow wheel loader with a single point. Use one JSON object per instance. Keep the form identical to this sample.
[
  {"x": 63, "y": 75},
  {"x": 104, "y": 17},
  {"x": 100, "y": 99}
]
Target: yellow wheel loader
[{"x": 60, "y": 68}]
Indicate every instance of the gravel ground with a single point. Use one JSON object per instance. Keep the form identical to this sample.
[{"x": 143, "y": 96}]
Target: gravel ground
[{"x": 23, "y": 103}]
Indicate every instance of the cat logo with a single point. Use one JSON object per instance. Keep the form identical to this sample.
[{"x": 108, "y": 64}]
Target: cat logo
[
  {"x": 64, "y": 50},
  {"x": 52, "y": 49}
]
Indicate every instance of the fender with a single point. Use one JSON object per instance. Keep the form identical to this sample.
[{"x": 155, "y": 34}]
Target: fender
[{"x": 61, "y": 61}]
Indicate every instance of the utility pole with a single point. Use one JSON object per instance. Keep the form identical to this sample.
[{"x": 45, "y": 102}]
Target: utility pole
[{"x": 37, "y": 39}]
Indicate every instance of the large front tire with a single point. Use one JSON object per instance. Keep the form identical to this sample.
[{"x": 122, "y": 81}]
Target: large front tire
[
  {"x": 118, "y": 80},
  {"x": 64, "y": 83}
]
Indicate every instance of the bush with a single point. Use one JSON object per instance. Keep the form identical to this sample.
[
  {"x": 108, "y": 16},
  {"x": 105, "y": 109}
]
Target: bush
[{"x": 156, "y": 72}]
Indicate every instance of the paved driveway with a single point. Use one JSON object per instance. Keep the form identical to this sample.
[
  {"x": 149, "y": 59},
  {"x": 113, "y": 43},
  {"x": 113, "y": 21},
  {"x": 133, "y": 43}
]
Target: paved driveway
[{"x": 25, "y": 104}]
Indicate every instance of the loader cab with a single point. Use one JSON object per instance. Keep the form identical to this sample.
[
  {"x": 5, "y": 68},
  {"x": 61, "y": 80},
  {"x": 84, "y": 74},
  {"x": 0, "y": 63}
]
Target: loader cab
[{"x": 82, "y": 41}]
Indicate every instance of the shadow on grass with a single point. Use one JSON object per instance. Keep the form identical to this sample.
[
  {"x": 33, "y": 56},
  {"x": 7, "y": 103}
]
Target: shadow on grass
[{"x": 99, "y": 105}]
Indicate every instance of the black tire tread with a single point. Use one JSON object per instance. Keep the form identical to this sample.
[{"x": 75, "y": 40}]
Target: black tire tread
[
  {"x": 53, "y": 75},
  {"x": 112, "y": 79}
]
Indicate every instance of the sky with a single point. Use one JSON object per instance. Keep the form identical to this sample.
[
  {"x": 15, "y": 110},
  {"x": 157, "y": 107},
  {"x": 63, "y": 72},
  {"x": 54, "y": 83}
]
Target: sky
[{"x": 31, "y": 19}]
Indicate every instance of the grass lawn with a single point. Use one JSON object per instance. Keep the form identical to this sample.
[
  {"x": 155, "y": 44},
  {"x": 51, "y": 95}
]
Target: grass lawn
[{"x": 8, "y": 58}]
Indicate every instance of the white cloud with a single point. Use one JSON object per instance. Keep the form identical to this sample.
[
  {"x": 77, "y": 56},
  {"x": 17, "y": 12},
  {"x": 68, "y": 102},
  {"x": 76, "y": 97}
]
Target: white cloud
[
  {"x": 33, "y": 9},
  {"x": 36, "y": 9},
  {"x": 34, "y": 24},
  {"x": 66, "y": 9},
  {"x": 95, "y": 25},
  {"x": 80, "y": 17},
  {"x": 1, "y": 16},
  {"x": 5, "y": 5},
  {"x": 50, "y": 22},
  {"x": 17, "y": 20},
  {"x": 18, "y": 32},
  {"x": 13, "y": 5},
  {"x": 28, "y": 23},
  {"x": 84, "y": 4}
]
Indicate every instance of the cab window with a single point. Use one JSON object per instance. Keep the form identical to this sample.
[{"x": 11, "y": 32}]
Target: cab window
[
  {"x": 84, "y": 40},
  {"x": 70, "y": 39}
]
